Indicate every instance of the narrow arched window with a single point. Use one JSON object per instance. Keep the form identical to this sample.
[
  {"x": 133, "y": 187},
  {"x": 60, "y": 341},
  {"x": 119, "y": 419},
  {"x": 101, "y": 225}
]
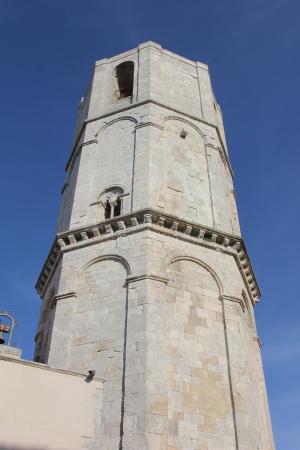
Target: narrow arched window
[
  {"x": 111, "y": 202},
  {"x": 124, "y": 74},
  {"x": 117, "y": 207},
  {"x": 107, "y": 209}
]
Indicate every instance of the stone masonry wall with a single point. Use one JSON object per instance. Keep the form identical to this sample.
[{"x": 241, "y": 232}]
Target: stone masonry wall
[
  {"x": 160, "y": 76},
  {"x": 163, "y": 315},
  {"x": 145, "y": 154},
  {"x": 173, "y": 378}
]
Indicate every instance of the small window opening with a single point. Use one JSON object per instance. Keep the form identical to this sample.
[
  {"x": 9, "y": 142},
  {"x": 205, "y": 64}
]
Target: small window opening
[
  {"x": 107, "y": 210},
  {"x": 183, "y": 134},
  {"x": 124, "y": 74},
  {"x": 111, "y": 202},
  {"x": 117, "y": 208}
]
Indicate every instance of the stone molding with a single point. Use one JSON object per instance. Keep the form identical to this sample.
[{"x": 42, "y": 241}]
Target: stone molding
[
  {"x": 158, "y": 222},
  {"x": 147, "y": 124},
  {"x": 230, "y": 298},
  {"x": 59, "y": 297},
  {"x": 64, "y": 296},
  {"x": 111, "y": 257},
  {"x": 76, "y": 152},
  {"x": 78, "y": 146},
  {"x": 134, "y": 278}
]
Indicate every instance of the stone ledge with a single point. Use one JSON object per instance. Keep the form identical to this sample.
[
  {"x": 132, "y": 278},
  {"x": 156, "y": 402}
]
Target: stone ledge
[{"x": 158, "y": 222}]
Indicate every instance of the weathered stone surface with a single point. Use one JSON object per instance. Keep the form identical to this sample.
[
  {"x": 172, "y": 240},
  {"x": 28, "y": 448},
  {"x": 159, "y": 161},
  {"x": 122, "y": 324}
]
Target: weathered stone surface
[{"x": 162, "y": 313}]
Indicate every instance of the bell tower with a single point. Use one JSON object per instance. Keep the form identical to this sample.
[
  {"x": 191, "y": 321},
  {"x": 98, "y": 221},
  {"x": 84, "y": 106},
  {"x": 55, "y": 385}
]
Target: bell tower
[{"x": 148, "y": 281}]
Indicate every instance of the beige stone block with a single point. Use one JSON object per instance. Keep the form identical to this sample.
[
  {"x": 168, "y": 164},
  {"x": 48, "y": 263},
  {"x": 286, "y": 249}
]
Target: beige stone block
[
  {"x": 103, "y": 345},
  {"x": 173, "y": 427},
  {"x": 197, "y": 321},
  {"x": 80, "y": 340},
  {"x": 154, "y": 441},
  {"x": 178, "y": 415},
  {"x": 197, "y": 371},
  {"x": 160, "y": 409},
  {"x": 215, "y": 376}
]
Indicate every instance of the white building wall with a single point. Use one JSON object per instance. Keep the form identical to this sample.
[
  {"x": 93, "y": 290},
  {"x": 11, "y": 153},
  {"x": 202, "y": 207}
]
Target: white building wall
[{"x": 45, "y": 409}]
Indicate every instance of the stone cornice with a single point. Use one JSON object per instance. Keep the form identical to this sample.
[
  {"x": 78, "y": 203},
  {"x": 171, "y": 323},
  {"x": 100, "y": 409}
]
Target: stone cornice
[{"x": 159, "y": 223}]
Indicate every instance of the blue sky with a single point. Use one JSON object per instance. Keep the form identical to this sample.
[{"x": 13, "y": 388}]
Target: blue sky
[{"x": 48, "y": 48}]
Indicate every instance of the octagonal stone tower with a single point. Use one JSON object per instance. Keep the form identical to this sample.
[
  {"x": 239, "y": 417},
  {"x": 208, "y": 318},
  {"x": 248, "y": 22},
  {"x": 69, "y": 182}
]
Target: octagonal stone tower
[{"x": 148, "y": 281}]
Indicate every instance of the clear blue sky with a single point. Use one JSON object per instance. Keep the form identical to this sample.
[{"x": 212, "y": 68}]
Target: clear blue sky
[{"x": 48, "y": 48}]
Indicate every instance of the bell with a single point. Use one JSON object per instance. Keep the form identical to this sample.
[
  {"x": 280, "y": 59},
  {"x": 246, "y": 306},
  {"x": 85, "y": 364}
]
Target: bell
[{"x": 3, "y": 329}]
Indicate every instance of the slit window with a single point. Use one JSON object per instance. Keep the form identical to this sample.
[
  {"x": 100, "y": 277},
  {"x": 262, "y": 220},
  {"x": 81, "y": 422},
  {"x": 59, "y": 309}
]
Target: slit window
[
  {"x": 124, "y": 75},
  {"x": 107, "y": 210},
  {"x": 117, "y": 207}
]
